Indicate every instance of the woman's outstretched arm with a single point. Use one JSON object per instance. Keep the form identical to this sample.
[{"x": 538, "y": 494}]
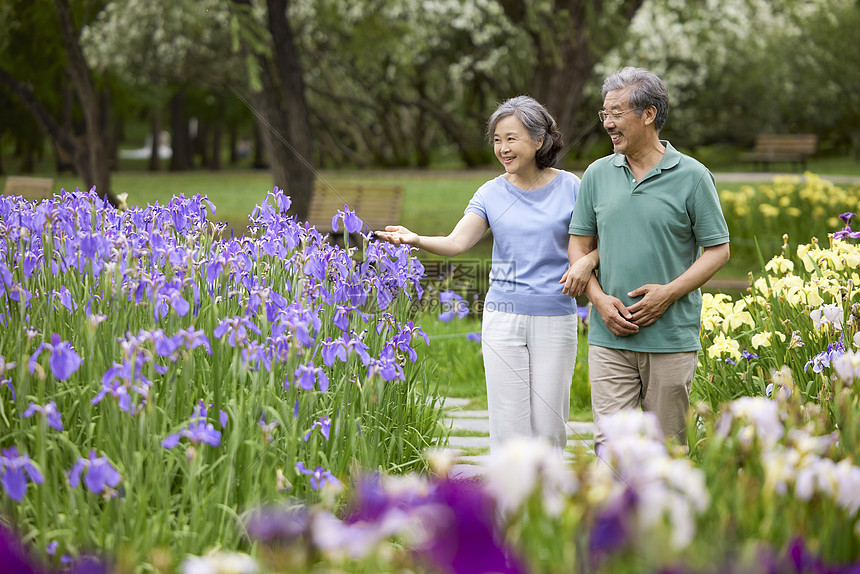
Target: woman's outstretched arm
[{"x": 465, "y": 234}]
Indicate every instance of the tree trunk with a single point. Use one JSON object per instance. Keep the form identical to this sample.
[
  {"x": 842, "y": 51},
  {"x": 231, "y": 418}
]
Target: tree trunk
[
  {"x": 233, "y": 142},
  {"x": 217, "y": 138},
  {"x": 155, "y": 128},
  {"x": 66, "y": 143},
  {"x": 181, "y": 158},
  {"x": 200, "y": 143},
  {"x": 566, "y": 60},
  {"x": 292, "y": 150},
  {"x": 259, "y": 161},
  {"x": 95, "y": 169}
]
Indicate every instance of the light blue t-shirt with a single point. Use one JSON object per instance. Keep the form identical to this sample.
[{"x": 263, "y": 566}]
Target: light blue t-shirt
[{"x": 530, "y": 238}]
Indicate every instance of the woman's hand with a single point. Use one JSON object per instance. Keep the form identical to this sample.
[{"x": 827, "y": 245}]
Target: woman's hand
[
  {"x": 397, "y": 235},
  {"x": 576, "y": 278}
]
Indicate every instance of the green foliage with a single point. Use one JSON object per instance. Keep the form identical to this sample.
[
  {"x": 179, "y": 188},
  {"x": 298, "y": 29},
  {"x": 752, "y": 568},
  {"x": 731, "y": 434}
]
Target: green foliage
[
  {"x": 743, "y": 67},
  {"x": 797, "y": 207}
]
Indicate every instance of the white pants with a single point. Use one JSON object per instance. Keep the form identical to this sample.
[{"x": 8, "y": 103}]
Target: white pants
[{"x": 529, "y": 362}]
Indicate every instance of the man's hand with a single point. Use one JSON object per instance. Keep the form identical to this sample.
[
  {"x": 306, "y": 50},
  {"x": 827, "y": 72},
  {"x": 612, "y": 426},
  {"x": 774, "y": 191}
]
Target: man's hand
[
  {"x": 651, "y": 307},
  {"x": 616, "y": 316}
]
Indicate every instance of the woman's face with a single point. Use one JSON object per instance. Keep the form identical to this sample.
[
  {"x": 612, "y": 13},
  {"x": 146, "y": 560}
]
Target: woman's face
[{"x": 513, "y": 146}]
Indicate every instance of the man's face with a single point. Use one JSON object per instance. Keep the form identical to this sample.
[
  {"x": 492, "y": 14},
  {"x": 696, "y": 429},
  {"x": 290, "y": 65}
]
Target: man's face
[{"x": 625, "y": 128}]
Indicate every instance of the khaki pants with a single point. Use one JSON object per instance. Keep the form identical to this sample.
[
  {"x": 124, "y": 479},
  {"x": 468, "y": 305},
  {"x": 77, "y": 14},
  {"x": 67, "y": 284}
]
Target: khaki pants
[{"x": 655, "y": 382}]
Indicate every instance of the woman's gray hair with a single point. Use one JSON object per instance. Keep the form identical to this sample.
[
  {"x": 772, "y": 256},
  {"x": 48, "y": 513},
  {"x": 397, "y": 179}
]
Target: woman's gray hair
[
  {"x": 538, "y": 123},
  {"x": 646, "y": 89}
]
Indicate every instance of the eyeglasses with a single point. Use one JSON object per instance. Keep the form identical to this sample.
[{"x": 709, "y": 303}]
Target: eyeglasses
[{"x": 602, "y": 114}]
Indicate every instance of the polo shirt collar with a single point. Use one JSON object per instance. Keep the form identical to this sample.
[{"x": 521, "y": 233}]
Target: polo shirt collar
[{"x": 670, "y": 158}]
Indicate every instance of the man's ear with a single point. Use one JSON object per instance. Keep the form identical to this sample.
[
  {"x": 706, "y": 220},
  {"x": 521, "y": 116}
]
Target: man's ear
[{"x": 649, "y": 114}]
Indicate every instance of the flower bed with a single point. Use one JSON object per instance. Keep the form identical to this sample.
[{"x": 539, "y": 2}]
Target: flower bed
[{"x": 157, "y": 381}]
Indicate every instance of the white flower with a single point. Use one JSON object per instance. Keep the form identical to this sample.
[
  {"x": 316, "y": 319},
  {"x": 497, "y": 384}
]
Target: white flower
[
  {"x": 828, "y": 314},
  {"x": 520, "y": 466},
  {"x": 220, "y": 563},
  {"x": 780, "y": 468},
  {"x": 847, "y": 478},
  {"x": 630, "y": 423},
  {"x": 669, "y": 491},
  {"x": 761, "y": 412},
  {"x": 847, "y": 366}
]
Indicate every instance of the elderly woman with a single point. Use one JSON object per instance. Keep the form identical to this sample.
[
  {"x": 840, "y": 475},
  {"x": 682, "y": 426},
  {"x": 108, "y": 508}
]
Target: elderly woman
[{"x": 529, "y": 328}]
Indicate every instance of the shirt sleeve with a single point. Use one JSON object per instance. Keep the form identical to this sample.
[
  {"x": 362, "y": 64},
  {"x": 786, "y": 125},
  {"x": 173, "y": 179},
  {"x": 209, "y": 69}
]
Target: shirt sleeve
[
  {"x": 709, "y": 224},
  {"x": 476, "y": 205},
  {"x": 584, "y": 220}
]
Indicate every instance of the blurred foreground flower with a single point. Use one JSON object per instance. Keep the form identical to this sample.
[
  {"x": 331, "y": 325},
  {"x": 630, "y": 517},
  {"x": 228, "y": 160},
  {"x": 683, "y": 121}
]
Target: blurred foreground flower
[{"x": 220, "y": 563}]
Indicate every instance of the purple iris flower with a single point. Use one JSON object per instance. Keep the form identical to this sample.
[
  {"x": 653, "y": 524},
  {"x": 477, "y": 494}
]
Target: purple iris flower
[
  {"x": 747, "y": 355},
  {"x": 324, "y": 424},
  {"x": 4, "y": 368},
  {"x": 402, "y": 341},
  {"x": 197, "y": 431},
  {"x": 167, "y": 297},
  {"x": 823, "y": 359},
  {"x": 341, "y": 347},
  {"x": 8, "y": 383},
  {"x": 195, "y": 338},
  {"x": 319, "y": 476},
  {"x": 166, "y": 346},
  {"x": 64, "y": 360},
  {"x": 351, "y": 221},
  {"x": 341, "y": 317},
  {"x": 453, "y": 306},
  {"x": 14, "y": 556},
  {"x": 31, "y": 264},
  {"x": 65, "y": 297},
  {"x": 100, "y": 473},
  {"x": 267, "y": 427},
  {"x": 20, "y": 294},
  {"x": 279, "y": 524},
  {"x": 236, "y": 330},
  {"x": 612, "y": 527},
  {"x": 386, "y": 366},
  {"x": 464, "y": 537},
  {"x": 49, "y": 411},
  {"x": 15, "y": 469},
  {"x": 847, "y": 216},
  {"x": 307, "y": 376},
  {"x": 583, "y": 313},
  {"x": 89, "y": 246},
  {"x": 214, "y": 268}
]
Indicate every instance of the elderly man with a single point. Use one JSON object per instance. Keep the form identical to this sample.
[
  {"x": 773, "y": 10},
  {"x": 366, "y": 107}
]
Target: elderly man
[{"x": 648, "y": 209}]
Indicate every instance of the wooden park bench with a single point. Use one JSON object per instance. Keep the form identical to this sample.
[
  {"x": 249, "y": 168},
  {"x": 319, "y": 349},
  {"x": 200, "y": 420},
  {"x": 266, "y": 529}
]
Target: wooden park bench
[
  {"x": 776, "y": 148},
  {"x": 29, "y": 187},
  {"x": 376, "y": 205}
]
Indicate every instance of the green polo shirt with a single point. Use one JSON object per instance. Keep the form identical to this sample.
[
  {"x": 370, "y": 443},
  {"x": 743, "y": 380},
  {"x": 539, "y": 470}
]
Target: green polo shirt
[{"x": 649, "y": 231}]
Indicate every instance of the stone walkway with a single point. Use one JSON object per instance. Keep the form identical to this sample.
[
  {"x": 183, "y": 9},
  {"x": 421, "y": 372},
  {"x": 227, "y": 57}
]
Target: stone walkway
[{"x": 469, "y": 441}]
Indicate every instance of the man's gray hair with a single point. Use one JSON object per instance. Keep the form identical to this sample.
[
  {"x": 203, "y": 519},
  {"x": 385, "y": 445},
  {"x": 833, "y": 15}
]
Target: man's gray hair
[
  {"x": 646, "y": 89},
  {"x": 538, "y": 123}
]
